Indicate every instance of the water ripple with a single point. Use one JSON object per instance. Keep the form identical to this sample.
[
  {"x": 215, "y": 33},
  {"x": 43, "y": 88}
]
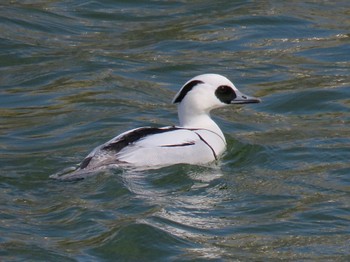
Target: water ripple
[{"x": 74, "y": 74}]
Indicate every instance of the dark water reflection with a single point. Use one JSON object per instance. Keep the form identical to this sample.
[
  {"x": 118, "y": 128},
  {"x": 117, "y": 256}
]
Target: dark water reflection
[{"x": 74, "y": 74}]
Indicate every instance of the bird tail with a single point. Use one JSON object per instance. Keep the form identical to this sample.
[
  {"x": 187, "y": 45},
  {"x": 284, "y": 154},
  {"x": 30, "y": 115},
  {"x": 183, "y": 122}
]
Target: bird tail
[{"x": 72, "y": 174}]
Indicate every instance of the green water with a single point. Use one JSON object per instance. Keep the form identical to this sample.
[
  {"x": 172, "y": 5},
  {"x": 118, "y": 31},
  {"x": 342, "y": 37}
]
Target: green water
[{"x": 74, "y": 74}]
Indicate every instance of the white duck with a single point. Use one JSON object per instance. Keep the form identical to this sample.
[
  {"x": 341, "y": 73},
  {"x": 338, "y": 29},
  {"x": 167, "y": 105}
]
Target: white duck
[{"x": 197, "y": 140}]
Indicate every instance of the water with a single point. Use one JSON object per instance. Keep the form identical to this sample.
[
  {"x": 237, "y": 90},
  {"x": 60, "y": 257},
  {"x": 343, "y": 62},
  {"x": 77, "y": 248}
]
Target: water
[{"x": 76, "y": 73}]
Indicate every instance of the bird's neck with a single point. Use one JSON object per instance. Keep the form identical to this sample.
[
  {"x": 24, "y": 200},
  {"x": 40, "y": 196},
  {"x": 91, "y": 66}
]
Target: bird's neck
[{"x": 199, "y": 120}]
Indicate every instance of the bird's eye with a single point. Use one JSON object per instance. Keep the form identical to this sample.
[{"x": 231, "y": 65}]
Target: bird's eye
[
  {"x": 224, "y": 89},
  {"x": 225, "y": 94}
]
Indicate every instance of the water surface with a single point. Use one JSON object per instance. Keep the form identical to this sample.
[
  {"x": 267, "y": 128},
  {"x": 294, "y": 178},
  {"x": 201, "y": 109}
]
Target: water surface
[{"x": 73, "y": 74}]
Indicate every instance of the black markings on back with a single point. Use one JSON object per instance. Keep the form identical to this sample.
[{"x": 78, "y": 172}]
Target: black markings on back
[
  {"x": 187, "y": 88},
  {"x": 134, "y": 136},
  {"x": 225, "y": 94}
]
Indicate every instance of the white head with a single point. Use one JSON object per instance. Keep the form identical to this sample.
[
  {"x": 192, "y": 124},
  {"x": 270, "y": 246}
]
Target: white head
[{"x": 203, "y": 93}]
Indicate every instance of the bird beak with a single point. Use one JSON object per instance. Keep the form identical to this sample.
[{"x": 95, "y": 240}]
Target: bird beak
[{"x": 244, "y": 99}]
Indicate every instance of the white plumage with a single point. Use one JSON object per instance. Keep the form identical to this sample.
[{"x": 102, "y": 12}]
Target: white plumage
[{"x": 197, "y": 139}]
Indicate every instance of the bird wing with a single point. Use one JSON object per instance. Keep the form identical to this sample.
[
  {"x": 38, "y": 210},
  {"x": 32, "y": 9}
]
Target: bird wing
[
  {"x": 166, "y": 146},
  {"x": 147, "y": 147},
  {"x": 150, "y": 146}
]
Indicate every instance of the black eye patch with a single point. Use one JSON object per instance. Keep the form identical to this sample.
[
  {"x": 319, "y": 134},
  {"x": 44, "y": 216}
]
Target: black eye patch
[{"x": 225, "y": 94}]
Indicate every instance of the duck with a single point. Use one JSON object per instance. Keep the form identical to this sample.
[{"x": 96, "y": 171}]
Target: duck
[{"x": 196, "y": 140}]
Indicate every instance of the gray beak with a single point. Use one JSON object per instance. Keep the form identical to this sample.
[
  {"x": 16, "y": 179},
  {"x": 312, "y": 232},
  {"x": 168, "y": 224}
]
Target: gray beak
[{"x": 244, "y": 99}]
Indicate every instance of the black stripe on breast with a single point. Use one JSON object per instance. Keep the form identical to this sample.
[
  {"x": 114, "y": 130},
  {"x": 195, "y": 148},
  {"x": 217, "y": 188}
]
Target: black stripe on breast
[
  {"x": 212, "y": 150},
  {"x": 134, "y": 136}
]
